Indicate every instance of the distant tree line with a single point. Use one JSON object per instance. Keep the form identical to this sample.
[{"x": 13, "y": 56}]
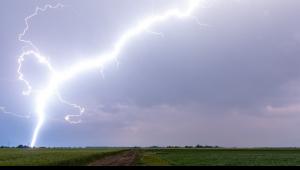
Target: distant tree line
[
  {"x": 189, "y": 147},
  {"x": 2, "y": 147},
  {"x": 158, "y": 147},
  {"x": 17, "y": 147},
  {"x": 197, "y": 146}
]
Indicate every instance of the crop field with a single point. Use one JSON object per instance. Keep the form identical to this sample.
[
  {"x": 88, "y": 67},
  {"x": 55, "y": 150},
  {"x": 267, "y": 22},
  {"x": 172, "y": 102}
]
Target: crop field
[
  {"x": 52, "y": 157},
  {"x": 149, "y": 157},
  {"x": 220, "y": 157}
]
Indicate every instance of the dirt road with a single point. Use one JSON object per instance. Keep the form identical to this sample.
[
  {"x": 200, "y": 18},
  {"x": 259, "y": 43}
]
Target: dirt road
[{"x": 127, "y": 158}]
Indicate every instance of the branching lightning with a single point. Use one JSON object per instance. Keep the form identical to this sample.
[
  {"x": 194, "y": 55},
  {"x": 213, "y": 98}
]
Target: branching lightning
[
  {"x": 69, "y": 118},
  {"x": 42, "y": 96},
  {"x": 4, "y": 111}
]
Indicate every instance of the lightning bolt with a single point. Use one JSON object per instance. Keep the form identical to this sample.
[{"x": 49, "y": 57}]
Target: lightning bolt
[
  {"x": 58, "y": 78},
  {"x": 69, "y": 118},
  {"x": 4, "y": 111},
  {"x": 35, "y": 51}
]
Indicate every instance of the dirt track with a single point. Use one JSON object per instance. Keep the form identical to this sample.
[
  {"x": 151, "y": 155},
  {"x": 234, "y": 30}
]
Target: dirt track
[{"x": 127, "y": 158}]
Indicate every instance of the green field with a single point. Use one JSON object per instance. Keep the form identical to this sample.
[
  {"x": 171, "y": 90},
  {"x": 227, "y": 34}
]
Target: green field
[
  {"x": 153, "y": 157},
  {"x": 220, "y": 157},
  {"x": 52, "y": 157}
]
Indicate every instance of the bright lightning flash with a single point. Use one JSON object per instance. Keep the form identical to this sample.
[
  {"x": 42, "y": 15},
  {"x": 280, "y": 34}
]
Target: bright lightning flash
[{"x": 58, "y": 78}]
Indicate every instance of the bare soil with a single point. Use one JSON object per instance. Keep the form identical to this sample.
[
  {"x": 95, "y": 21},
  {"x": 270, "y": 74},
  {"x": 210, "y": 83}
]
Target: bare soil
[{"x": 127, "y": 158}]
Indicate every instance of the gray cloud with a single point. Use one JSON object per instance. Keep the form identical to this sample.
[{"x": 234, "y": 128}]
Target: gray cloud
[
  {"x": 189, "y": 124},
  {"x": 231, "y": 83}
]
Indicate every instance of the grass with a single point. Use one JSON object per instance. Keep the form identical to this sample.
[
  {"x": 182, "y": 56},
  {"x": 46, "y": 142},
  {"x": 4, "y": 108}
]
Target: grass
[
  {"x": 153, "y": 157},
  {"x": 53, "y": 157},
  {"x": 220, "y": 157}
]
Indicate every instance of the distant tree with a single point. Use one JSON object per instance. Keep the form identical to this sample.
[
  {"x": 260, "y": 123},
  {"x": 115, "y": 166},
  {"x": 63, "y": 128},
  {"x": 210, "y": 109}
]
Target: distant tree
[
  {"x": 22, "y": 147},
  {"x": 189, "y": 147},
  {"x": 154, "y": 147},
  {"x": 171, "y": 147},
  {"x": 199, "y": 146}
]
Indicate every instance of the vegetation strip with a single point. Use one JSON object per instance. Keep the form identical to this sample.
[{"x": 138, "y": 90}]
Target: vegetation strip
[
  {"x": 53, "y": 157},
  {"x": 126, "y": 158},
  {"x": 151, "y": 157}
]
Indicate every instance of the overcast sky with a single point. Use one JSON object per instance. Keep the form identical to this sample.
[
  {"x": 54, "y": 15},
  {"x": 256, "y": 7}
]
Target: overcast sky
[{"x": 234, "y": 80}]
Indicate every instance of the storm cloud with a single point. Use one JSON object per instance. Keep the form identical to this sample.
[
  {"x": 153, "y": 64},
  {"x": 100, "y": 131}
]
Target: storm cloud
[{"x": 231, "y": 81}]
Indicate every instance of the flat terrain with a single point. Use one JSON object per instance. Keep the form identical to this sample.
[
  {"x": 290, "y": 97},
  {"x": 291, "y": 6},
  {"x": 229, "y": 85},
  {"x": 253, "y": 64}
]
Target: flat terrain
[
  {"x": 150, "y": 157},
  {"x": 52, "y": 157},
  {"x": 220, "y": 157},
  {"x": 128, "y": 158}
]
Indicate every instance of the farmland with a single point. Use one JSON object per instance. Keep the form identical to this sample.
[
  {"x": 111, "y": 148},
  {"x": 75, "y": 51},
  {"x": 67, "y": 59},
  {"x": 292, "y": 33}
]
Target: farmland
[
  {"x": 221, "y": 157},
  {"x": 150, "y": 157},
  {"x": 52, "y": 157}
]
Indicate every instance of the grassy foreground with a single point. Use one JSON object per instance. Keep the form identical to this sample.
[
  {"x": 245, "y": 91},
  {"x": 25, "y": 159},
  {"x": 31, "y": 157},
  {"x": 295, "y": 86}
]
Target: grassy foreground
[
  {"x": 220, "y": 157},
  {"x": 52, "y": 157},
  {"x": 153, "y": 157}
]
